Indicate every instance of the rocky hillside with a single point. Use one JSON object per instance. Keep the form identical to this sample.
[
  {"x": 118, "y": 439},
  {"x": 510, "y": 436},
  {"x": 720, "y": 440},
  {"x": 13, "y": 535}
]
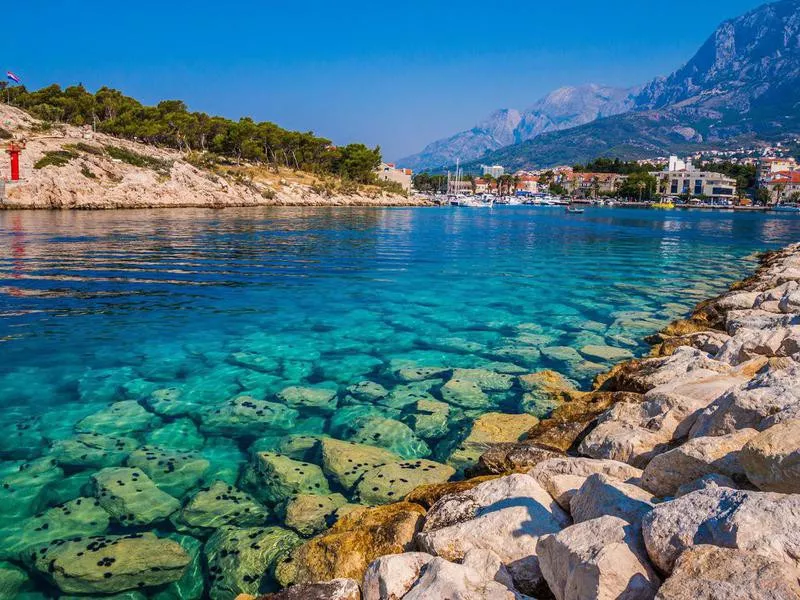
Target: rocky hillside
[
  {"x": 562, "y": 109},
  {"x": 70, "y": 167},
  {"x": 742, "y": 86},
  {"x": 675, "y": 479}
]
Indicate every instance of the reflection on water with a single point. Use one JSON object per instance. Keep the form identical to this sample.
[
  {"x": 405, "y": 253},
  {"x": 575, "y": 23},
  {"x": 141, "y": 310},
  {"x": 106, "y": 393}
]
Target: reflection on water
[{"x": 203, "y": 306}]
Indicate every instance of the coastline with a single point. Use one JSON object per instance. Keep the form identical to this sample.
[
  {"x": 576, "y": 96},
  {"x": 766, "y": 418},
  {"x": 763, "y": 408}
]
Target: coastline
[{"x": 621, "y": 483}]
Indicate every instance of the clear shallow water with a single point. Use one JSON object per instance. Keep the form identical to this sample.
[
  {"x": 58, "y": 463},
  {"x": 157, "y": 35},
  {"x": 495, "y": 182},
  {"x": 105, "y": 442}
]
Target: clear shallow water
[{"x": 97, "y": 308}]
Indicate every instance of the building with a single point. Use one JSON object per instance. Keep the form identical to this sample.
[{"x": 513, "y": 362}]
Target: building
[
  {"x": 528, "y": 184},
  {"x": 688, "y": 181},
  {"x": 495, "y": 171},
  {"x": 783, "y": 186},
  {"x": 388, "y": 172},
  {"x": 591, "y": 184},
  {"x": 768, "y": 166}
]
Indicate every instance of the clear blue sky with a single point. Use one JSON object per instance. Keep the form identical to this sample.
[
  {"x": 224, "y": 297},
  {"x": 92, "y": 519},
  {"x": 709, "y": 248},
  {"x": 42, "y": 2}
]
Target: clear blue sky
[{"x": 399, "y": 75}]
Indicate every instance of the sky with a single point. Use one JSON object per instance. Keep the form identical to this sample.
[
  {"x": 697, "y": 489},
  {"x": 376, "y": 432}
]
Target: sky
[{"x": 398, "y": 75}]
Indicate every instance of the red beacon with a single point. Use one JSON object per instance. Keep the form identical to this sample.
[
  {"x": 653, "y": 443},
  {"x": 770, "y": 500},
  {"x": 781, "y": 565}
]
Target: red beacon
[{"x": 14, "y": 149}]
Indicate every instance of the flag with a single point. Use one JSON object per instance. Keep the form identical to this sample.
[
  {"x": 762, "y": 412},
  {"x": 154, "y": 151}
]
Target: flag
[{"x": 12, "y": 77}]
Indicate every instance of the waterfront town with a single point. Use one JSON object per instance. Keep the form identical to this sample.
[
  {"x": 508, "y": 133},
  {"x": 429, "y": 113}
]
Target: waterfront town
[{"x": 767, "y": 177}]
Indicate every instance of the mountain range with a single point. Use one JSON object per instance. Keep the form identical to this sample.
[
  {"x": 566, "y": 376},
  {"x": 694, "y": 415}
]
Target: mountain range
[{"x": 742, "y": 86}]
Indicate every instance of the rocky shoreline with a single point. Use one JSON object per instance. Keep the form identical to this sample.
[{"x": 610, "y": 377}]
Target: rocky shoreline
[{"x": 675, "y": 478}]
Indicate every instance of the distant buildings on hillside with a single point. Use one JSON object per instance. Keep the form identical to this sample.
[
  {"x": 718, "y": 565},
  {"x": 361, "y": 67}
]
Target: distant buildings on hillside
[
  {"x": 495, "y": 171},
  {"x": 781, "y": 178}
]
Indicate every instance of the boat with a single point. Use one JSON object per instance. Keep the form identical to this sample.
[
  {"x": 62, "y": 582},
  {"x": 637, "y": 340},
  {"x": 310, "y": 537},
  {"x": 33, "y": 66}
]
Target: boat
[
  {"x": 571, "y": 210},
  {"x": 787, "y": 208},
  {"x": 663, "y": 205}
]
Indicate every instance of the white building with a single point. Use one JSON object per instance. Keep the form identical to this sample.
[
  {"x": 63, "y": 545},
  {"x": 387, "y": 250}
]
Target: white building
[
  {"x": 682, "y": 179},
  {"x": 495, "y": 171}
]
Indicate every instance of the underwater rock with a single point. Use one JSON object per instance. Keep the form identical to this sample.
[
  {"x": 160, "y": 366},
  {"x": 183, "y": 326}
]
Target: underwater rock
[
  {"x": 391, "y": 434},
  {"x": 93, "y": 450},
  {"x": 346, "y": 462},
  {"x": 302, "y": 447},
  {"x": 11, "y": 580},
  {"x": 21, "y": 438},
  {"x": 240, "y": 561},
  {"x": 488, "y": 381},
  {"x": 131, "y": 497},
  {"x": 217, "y": 506},
  {"x": 465, "y": 393},
  {"x": 20, "y": 487},
  {"x": 246, "y": 416},
  {"x": 488, "y": 429},
  {"x": 180, "y": 435},
  {"x": 309, "y": 514},
  {"x": 410, "y": 374},
  {"x": 347, "y": 419},
  {"x": 110, "y": 564},
  {"x": 191, "y": 586},
  {"x": 172, "y": 471},
  {"x": 544, "y": 391},
  {"x": 123, "y": 417},
  {"x": 392, "y": 482},
  {"x": 226, "y": 460},
  {"x": 254, "y": 361},
  {"x": 403, "y": 396},
  {"x": 430, "y": 419},
  {"x": 79, "y": 517},
  {"x": 309, "y": 398},
  {"x": 63, "y": 490},
  {"x": 367, "y": 391},
  {"x": 347, "y": 549},
  {"x": 284, "y": 477}
]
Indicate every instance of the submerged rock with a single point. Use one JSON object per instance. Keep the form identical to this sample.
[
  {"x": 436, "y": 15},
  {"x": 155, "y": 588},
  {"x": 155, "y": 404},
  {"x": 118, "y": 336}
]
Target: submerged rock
[
  {"x": 465, "y": 393},
  {"x": 390, "y": 434},
  {"x": 110, "y": 564},
  {"x": 21, "y": 486},
  {"x": 284, "y": 477},
  {"x": 544, "y": 391},
  {"x": 309, "y": 398},
  {"x": 220, "y": 505},
  {"x": 367, "y": 391},
  {"x": 181, "y": 434},
  {"x": 353, "y": 543},
  {"x": 430, "y": 419},
  {"x": 393, "y": 481},
  {"x": 191, "y": 586},
  {"x": 11, "y": 580},
  {"x": 245, "y": 416},
  {"x": 93, "y": 450},
  {"x": 346, "y": 462},
  {"x": 488, "y": 429},
  {"x": 309, "y": 514},
  {"x": 172, "y": 471},
  {"x": 240, "y": 561},
  {"x": 123, "y": 417},
  {"x": 79, "y": 517},
  {"x": 131, "y": 497}
]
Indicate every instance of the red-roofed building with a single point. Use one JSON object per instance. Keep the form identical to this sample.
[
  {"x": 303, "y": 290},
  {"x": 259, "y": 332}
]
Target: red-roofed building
[{"x": 783, "y": 185}]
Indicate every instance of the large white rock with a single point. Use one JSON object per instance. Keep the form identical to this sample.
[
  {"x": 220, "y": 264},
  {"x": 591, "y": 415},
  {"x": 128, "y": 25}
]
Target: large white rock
[
  {"x": 737, "y": 301},
  {"x": 752, "y": 405},
  {"x": 563, "y": 476},
  {"x": 482, "y": 576},
  {"x": 390, "y": 577},
  {"x": 506, "y": 516},
  {"x": 762, "y": 523},
  {"x": 685, "y": 361},
  {"x": 601, "y": 495},
  {"x": 712, "y": 573},
  {"x": 635, "y": 432},
  {"x": 601, "y": 559},
  {"x": 771, "y": 459},
  {"x": 751, "y": 343},
  {"x": 697, "y": 457},
  {"x": 736, "y": 320}
]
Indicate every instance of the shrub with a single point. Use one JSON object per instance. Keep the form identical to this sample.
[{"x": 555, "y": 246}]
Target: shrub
[
  {"x": 268, "y": 193},
  {"x": 55, "y": 158},
  {"x": 87, "y": 148},
  {"x": 139, "y": 160},
  {"x": 87, "y": 173},
  {"x": 392, "y": 187},
  {"x": 5, "y": 134}
]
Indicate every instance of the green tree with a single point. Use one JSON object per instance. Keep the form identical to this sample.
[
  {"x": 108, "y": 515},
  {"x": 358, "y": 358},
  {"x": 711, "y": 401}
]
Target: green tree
[{"x": 639, "y": 186}]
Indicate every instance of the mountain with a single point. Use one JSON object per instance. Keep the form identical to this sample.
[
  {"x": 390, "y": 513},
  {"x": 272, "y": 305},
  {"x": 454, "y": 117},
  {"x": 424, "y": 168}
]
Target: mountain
[
  {"x": 742, "y": 86},
  {"x": 562, "y": 109}
]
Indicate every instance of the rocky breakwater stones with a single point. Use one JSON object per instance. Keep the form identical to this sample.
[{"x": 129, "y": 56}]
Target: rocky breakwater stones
[
  {"x": 131, "y": 497},
  {"x": 760, "y": 523},
  {"x": 600, "y": 558},
  {"x": 712, "y": 572},
  {"x": 283, "y": 477},
  {"x": 601, "y": 495},
  {"x": 771, "y": 459},
  {"x": 544, "y": 391},
  {"x": 244, "y": 416},
  {"x": 358, "y": 538},
  {"x": 219, "y": 505},
  {"x": 110, "y": 564},
  {"x": 241, "y": 561},
  {"x": 172, "y": 471},
  {"x": 506, "y": 515}
]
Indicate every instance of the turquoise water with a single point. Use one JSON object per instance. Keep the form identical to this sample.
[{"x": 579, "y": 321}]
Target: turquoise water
[{"x": 139, "y": 327}]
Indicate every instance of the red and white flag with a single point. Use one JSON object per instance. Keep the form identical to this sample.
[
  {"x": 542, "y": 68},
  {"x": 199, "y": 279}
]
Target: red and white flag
[{"x": 13, "y": 77}]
